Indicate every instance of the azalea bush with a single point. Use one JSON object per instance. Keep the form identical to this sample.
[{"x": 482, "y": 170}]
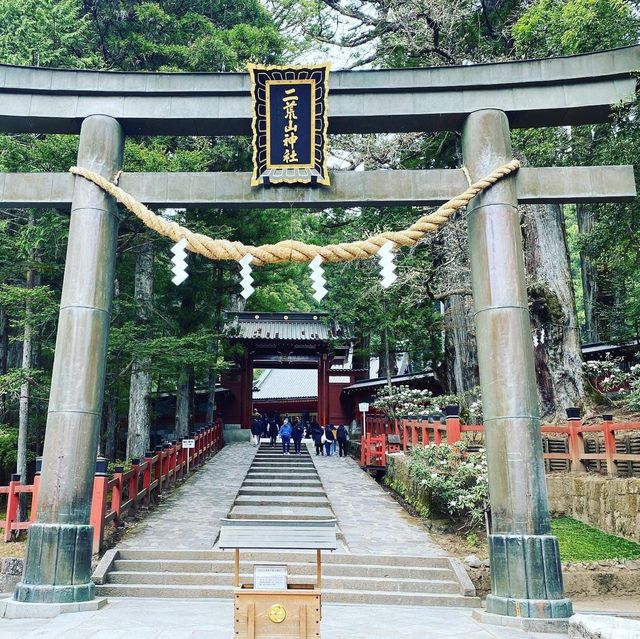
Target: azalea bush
[
  {"x": 402, "y": 401},
  {"x": 612, "y": 377},
  {"x": 399, "y": 401},
  {"x": 456, "y": 480}
]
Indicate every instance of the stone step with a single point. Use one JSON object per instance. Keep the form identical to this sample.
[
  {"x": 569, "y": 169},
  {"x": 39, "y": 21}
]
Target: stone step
[
  {"x": 295, "y": 568},
  {"x": 330, "y": 582},
  {"x": 300, "y": 483},
  {"x": 328, "y": 595},
  {"x": 280, "y": 500},
  {"x": 281, "y": 512},
  {"x": 273, "y": 468},
  {"x": 268, "y": 490},
  {"x": 280, "y": 458},
  {"x": 276, "y": 453},
  {"x": 282, "y": 466},
  {"x": 285, "y": 557},
  {"x": 281, "y": 476}
]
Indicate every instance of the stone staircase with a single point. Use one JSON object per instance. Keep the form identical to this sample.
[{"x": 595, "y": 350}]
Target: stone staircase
[
  {"x": 286, "y": 487},
  {"x": 347, "y": 578},
  {"x": 281, "y": 486}
]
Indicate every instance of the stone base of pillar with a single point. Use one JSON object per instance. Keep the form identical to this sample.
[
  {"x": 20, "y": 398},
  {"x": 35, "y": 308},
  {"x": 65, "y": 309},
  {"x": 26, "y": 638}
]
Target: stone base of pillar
[
  {"x": 58, "y": 565},
  {"x": 526, "y": 624},
  {"x": 12, "y": 609},
  {"x": 526, "y": 577}
]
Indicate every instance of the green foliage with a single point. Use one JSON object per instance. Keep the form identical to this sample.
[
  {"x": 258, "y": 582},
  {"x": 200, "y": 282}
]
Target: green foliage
[
  {"x": 564, "y": 27},
  {"x": 176, "y": 36},
  {"x": 8, "y": 446},
  {"x": 579, "y": 542},
  {"x": 456, "y": 480},
  {"x": 51, "y": 33}
]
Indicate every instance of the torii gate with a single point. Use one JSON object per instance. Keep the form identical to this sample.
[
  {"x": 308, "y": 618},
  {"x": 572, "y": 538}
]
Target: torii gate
[{"x": 482, "y": 101}]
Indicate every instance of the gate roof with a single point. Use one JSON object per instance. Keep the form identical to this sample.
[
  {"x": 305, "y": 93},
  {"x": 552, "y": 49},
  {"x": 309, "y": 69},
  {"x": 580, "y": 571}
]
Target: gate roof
[{"x": 283, "y": 327}]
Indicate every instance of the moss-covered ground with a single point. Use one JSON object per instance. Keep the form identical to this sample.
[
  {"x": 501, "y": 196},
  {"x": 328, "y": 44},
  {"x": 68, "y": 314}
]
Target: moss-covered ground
[{"x": 579, "y": 542}]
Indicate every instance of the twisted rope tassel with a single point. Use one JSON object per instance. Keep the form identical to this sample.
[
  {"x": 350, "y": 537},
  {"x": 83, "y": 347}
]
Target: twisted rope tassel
[{"x": 292, "y": 250}]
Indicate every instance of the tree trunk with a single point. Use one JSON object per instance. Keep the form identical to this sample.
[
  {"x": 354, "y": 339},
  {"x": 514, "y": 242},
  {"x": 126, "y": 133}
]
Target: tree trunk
[
  {"x": 218, "y": 283},
  {"x": 585, "y": 218},
  {"x": 362, "y": 353},
  {"x": 138, "y": 435},
  {"x": 460, "y": 350},
  {"x": 4, "y": 361},
  {"x": 25, "y": 389},
  {"x": 111, "y": 428},
  {"x": 183, "y": 403},
  {"x": 558, "y": 357}
]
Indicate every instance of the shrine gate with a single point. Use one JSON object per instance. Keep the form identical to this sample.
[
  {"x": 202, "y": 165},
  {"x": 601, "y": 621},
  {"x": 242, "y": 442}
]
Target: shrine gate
[{"x": 483, "y": 102}]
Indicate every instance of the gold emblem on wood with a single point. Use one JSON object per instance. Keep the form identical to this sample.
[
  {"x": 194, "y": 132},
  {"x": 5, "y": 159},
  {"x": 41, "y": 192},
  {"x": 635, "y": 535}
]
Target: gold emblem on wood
[{"x": 277, "y": 613}]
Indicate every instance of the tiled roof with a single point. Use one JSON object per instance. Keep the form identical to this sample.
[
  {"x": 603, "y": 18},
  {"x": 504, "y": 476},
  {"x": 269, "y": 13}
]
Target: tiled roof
[
  {"x": 291, "y": 327},
  {"x": 283, "y": 383},
  {"x": 283, "y": 330}
]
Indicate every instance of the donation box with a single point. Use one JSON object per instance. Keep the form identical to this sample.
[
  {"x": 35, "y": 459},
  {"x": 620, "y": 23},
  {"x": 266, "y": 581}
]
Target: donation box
[{"x": 271, "y": 606}]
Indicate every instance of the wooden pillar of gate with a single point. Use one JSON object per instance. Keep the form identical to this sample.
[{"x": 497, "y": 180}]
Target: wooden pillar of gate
[
  {"x": 526, "y": 578},
  {"x": 323, "y": 389},
  {"x": 246, "y": 390}
]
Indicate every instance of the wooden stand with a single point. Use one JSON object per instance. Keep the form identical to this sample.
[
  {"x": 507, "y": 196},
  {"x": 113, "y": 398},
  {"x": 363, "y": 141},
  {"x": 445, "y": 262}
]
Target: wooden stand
[{"x": 291, "y": 613}]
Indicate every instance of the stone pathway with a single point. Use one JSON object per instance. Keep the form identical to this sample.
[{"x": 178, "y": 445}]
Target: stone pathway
[
  {"x": 208, "y": 619},
  {"x": 189, "y": 518},
  {"x": 370, "y": 519}
]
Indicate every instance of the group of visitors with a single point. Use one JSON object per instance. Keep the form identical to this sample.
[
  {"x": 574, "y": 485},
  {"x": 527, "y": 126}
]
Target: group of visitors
[
  {"x": 326, "y": 439},
  {"x": 330, "y": 437}
]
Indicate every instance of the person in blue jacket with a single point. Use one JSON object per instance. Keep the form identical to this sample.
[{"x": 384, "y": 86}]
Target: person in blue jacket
[{"x": 285, "y": 436}]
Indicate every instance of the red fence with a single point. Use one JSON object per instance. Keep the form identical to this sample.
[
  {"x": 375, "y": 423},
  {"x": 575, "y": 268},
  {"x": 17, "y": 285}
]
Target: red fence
[
  {"x": 121, "y": 495},
  {"x": 609, "y": 447}
]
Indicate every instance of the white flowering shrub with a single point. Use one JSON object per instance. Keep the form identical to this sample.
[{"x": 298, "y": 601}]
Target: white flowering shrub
[
  {"x": 399, "y": 401},
  {"x": 402, "y": 401},
  {"x": 612, "y": 377},
  {"x": 457, "y": 480}
]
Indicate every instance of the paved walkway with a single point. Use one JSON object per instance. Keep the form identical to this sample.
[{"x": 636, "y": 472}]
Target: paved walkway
[
  {"x": 369, "y": 518},
  {"x": 189, "y": 518},
  {"x": 182, "y": 619}
]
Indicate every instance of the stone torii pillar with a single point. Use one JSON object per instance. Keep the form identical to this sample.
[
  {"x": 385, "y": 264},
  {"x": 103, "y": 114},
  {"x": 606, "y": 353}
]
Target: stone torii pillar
[
  {"x": 58, "y": 564},
  {"x": 526, "y": 577}
]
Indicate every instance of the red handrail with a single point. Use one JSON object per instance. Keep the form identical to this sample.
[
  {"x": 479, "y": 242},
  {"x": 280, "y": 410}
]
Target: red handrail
[
  {"x": 116, "y": 498},
  {"x": 412, "y": 432}
]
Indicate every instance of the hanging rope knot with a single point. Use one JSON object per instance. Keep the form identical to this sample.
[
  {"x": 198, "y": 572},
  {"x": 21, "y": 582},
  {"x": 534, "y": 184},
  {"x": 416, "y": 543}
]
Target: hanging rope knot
[{"x": 292, "y": 250}]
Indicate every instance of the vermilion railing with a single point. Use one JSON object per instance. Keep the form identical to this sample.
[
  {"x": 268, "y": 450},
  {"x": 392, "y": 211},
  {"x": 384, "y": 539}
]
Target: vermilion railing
[
  {"x": 121, "y": 495},
  {"x": 406, "y": 433}
]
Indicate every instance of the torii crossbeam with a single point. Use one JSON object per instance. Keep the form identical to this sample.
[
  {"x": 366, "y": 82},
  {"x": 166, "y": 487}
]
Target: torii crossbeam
[{"x": 481, "y": 101}]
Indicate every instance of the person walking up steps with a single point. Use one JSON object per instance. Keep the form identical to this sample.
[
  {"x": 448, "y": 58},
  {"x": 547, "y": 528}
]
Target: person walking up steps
[
  {"x": 316, "y": 435},
  {"x": 297, "y": 433},
  {"x": 329, "y": 439},
  {"x": 256, "y": 428},
  {"x": 342, "y": 436},
  {"x": 285, "y": 436},
  {"x": 273, "y": 431}
]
